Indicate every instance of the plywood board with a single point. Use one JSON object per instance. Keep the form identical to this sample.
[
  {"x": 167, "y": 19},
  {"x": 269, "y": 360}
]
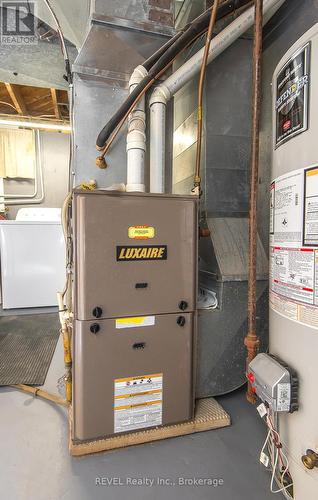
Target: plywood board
[{"x": 208, "y": 415}]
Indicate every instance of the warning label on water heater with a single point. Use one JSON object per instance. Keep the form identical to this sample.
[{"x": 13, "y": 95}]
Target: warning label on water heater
[
  {"x": 137, "y": 402},
  {"x": 294, "y": 273},
  {"x": 294, "y": 246}
]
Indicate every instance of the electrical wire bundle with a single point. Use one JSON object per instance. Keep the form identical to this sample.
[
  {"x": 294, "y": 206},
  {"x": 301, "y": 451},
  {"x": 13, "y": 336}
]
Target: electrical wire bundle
[
  {"x": 68, "y": 76},
  {"x": 272, "y": 456}
]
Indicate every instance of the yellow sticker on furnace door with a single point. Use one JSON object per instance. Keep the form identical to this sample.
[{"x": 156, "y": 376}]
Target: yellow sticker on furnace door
[
  {"x": 141, "y": 232},
  {"x": 136, "y": 322}
]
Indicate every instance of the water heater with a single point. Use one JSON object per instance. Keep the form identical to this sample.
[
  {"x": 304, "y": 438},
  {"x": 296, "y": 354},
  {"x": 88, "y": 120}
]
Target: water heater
[{"x": 294, "y": 247}]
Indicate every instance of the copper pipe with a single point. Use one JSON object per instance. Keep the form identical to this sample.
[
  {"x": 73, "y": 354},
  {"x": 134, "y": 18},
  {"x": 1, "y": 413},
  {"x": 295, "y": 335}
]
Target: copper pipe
[
  {"x": 251, "y": 340},
  {"x": 197, "y": 178}
]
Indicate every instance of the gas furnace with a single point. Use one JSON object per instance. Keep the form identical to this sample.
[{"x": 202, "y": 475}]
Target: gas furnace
[{"x": 134, "y": 304}]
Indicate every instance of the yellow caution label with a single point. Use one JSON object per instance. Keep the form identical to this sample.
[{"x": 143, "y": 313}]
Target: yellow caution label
[
  {"x": 141, "y": 232},
  {"x": 128, "y": 407},
  {"x": 138, "y": 394},
  {"x": 136, "y": 322},
  {"x": 311, "y": 172}
]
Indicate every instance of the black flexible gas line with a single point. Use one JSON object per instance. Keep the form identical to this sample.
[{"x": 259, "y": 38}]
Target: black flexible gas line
[
  {"x": 199, "y": 25},
  {"x": 148, "y": 63}
]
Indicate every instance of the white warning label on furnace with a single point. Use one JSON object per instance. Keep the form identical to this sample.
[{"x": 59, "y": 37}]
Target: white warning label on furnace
[
  {"x": 294, "y": 246},
  {"x": 137, "y": 402}
]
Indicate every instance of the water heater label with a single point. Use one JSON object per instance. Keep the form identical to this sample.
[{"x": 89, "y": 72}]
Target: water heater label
[
  {"x": 283, "y": 397},
  {"x": 294, "y": 246},
  {"x": 293, "y": 273},
  {"x": 137, "y": 402},
  {"x": 292, "y": 95},
  {"x": 149, "y": 252},
  {"x": 310, "y": 237},
  {"x": 286, "y": 212}
]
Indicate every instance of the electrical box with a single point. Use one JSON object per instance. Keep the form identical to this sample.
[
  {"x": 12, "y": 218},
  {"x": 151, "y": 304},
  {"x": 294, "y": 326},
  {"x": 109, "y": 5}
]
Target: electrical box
[
  {"x": 274, "y": 382},
  {"x": 135, "y": 288}
]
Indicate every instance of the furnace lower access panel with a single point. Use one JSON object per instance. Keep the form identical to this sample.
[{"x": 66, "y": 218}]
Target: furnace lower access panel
[
  {"x": 134, "y": 311},
  {"x": 120, "y": 386}
]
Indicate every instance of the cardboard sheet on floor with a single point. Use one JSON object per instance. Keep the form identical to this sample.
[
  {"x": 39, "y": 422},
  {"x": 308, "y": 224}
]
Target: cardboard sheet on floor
[{"x": 208, "y": 415}]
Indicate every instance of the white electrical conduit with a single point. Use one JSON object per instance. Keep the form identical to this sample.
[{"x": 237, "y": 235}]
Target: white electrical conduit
[
  {"x": 136, "y": 138},
  {"x": 163, "y": 93},
  {"x": 30, "y": 201}
]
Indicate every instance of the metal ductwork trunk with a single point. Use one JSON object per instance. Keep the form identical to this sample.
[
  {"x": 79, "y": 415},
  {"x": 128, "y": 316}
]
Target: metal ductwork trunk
[
  {"x": 224, "y": 256},
  {"x": 122, "y": 34},
  {"x": 224, "y": 270}
]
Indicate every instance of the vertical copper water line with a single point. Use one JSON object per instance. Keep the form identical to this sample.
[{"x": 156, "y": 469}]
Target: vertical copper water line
[
  {"x": 251, "y": 340},
  {"x": 197, "y": 175}
]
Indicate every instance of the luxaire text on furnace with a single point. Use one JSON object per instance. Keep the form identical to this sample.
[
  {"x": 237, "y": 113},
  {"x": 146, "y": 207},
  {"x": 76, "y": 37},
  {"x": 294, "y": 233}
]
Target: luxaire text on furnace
[{"x": 141, "y": 252}]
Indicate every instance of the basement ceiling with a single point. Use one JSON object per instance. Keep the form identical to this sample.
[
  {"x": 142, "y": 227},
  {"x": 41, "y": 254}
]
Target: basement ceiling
[{"x": 25, "y": 101}]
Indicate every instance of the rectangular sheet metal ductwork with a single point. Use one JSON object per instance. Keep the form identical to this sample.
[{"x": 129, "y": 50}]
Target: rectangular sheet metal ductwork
[
  {"x": 152, "y": 13},
  {"x": 224, "y": 270},
  {"x": 118, "y": 40}
]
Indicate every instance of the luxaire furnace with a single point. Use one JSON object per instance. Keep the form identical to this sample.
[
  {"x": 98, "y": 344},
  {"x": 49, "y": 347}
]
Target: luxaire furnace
[{"x": 135, "y": 287}]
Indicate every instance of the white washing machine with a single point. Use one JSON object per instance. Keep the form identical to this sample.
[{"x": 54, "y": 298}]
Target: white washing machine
[{"x": 32, "y": 252}]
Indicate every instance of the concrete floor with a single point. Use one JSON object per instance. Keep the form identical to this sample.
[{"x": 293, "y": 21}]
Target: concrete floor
[{"x": 35, "y": 464}]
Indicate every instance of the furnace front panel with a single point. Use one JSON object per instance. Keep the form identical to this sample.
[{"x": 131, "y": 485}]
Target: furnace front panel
[{"x": 134, "y": 254}]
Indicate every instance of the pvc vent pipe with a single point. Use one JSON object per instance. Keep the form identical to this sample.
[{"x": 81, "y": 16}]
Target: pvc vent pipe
[{"x": 136, "y": 138}]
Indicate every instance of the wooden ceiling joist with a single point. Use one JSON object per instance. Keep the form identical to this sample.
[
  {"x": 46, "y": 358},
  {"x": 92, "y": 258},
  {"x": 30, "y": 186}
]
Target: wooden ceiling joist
[
  {"x": 16, "y": 98},
  {"x": 55, "y": 104},
  {"x": 29, "y": 101}
]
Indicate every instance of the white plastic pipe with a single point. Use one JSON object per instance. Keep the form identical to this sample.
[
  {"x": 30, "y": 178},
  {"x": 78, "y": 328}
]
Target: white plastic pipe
[
  {"x": 157, "y": 147},
  {"x": 136, "y": 138},
  {"x": 179, "y": 78}
]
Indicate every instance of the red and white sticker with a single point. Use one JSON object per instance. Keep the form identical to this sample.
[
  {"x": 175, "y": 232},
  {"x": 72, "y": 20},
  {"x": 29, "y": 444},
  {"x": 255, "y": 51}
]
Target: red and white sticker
[{"x": 294, "y": 246}]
